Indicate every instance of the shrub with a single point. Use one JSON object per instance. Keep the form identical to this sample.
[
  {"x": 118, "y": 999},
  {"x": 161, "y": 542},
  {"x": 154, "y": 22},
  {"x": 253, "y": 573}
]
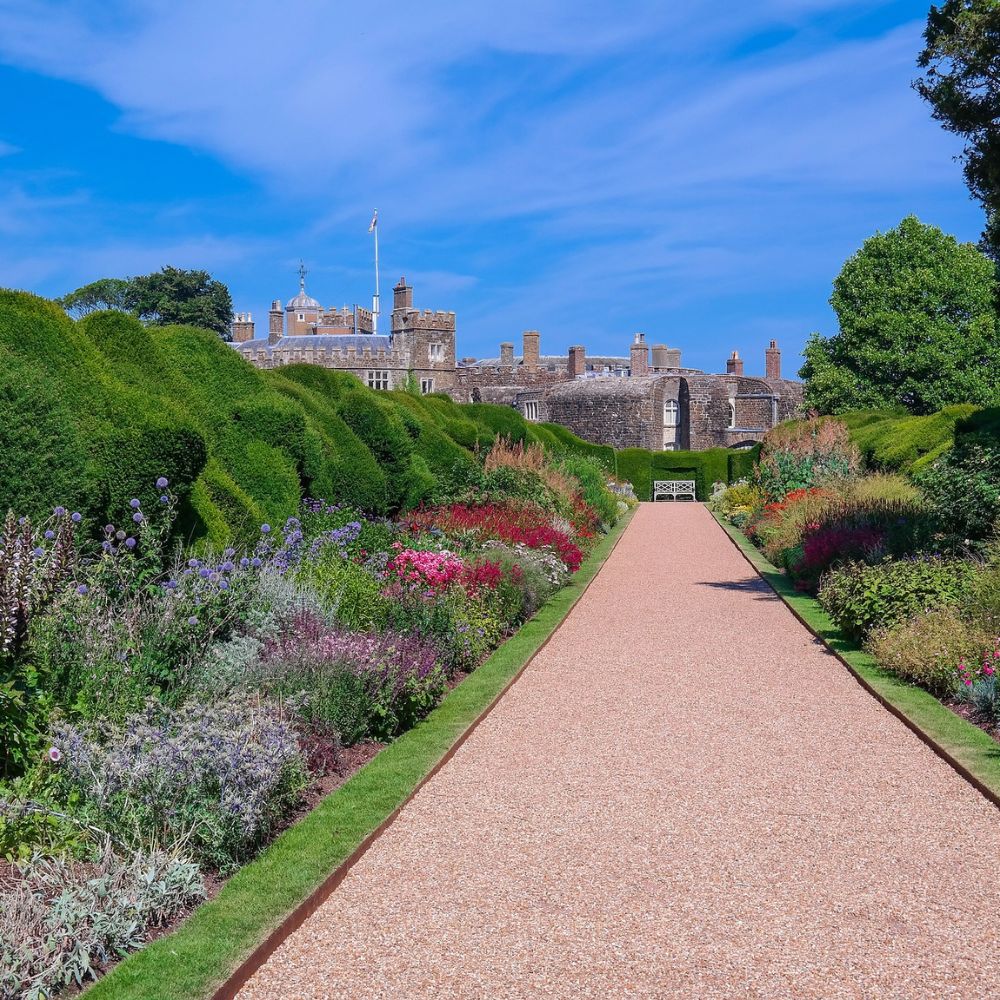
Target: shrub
[
  {"x": 62, "y": 921},
  {"x": 860, "y": 598},
  {"x": 962, "y": 489},
  {"x": 219, "y": 778},
  {"x": 977, "y": 683},
  {"x": 801, "y": 454},
  {"x": 926, "y": 649},
  {"x": 361, "y": 684},
  {"x": 982, "y": 604}
]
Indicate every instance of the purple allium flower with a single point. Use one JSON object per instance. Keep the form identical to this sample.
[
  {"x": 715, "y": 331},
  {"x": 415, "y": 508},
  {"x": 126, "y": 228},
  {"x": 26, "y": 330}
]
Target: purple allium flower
[
  {"x": 50, "y": 534},
  {"x": 59, "y": 511},
  {"x": 130, "y": 543},
  {"x": 38, "y": 553},
  {"x": 192, "y": 620},
  {"x": 255, "y": 562},
  {"x": 164, "y": 499},
  {"x": 137, "y": 517},
  {"x": 134, "y": 503},
  {"x": 76, "y": 517},
  {"x": 109, "y": 529},
  {"x": 204, "y": 573},
  {"x": 83, "y": 589},
  {"x": 244, "y": 562},
  {"x": 265, "y": 528},
  {"x": 55, "y": 754},
  {"x": 162, "y": 483}
]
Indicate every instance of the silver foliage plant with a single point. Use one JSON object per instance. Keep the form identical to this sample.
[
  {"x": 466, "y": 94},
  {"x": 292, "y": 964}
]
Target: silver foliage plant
[{"x": 61, "y": 921}]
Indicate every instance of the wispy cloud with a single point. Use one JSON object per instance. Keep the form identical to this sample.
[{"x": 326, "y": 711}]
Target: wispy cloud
[{"x": 552, "y": 164}]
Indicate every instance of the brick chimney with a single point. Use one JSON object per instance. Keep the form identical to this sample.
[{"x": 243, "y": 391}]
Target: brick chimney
[
  {"x": 639, "y": 355},
  {"x": 507, "y": 354},
  {"x": 242, "y": 328},
  {"x": 734, "y": 364},
  {"x": 530, "y": 348},
  {"x": 772, "y": 361},
  {"x": 275, "y": 323},
  {"x": 577, "y": 362},
  {"x": 402, "y": 295}
]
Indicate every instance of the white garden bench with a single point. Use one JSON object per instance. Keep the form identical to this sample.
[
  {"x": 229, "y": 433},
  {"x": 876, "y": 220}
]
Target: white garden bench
[{"x": 674, "y": 489}]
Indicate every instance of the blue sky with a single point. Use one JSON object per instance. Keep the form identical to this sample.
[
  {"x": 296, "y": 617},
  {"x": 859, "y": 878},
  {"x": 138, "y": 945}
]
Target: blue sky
[{"x": 588, "y": 170}]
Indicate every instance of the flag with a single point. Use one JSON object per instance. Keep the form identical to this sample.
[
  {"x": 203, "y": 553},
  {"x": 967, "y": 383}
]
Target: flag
[{"x": 371, "y": 228}]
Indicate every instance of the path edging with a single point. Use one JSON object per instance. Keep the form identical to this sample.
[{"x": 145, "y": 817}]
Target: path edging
[{"x": 764, "y": 568}]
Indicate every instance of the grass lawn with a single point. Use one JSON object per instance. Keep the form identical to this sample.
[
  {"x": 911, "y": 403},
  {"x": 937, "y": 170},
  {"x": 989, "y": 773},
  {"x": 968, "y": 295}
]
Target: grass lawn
[
  {"x": 948, "y": 734},
  {"x": 193, "y": 961}
]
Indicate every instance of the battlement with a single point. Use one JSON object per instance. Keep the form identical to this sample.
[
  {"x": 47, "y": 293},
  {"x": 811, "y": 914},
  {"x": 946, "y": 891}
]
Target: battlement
[{"x": 427, "y": 319}]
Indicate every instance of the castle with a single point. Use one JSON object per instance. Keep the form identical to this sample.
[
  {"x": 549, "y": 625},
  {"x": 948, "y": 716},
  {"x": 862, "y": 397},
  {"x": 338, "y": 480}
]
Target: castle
[{"x": 643, "y": 400}]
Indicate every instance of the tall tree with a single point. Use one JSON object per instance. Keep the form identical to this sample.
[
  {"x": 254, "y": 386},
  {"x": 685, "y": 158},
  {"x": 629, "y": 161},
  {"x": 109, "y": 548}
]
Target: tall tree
[
  {"x": 917, "y": 327},
  {"x": 106, "y": 293},
  {"x": 192, "y": 298},
  {"x": 961, "y": 82},
  {"x": 173, "y": 295}
]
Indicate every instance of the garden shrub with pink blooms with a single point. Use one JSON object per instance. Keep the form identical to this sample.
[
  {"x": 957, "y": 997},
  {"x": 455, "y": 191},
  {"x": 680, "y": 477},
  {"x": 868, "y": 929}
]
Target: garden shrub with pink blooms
[{"x": 181, "y": 702}]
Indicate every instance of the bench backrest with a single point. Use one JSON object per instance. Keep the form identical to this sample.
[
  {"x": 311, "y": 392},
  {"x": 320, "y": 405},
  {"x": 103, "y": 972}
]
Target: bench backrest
[{"x": 674, "y": 488}]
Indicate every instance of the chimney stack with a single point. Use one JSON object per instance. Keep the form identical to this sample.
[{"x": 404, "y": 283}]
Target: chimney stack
[
  {"x": 734, "y": 364},
  {"x": 402, "y": 296},
  {"x": 529, "y": 349},
  {"x": 772, "y": 361},
  {"x": 275, "y": 323},
  {"x": 577, "y": 364},
  {"x": 639, "y": 355},
  {"x": 507, "y": 355}
]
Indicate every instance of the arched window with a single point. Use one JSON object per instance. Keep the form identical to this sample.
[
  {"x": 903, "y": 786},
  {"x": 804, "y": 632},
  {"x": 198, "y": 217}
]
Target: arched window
[
  {"x": 671, "y": 413},
  {"x": 732, "y": 413}
]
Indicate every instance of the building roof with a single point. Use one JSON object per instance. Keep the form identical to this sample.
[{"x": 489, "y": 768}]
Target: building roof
[{"x": 336, "y": 341}]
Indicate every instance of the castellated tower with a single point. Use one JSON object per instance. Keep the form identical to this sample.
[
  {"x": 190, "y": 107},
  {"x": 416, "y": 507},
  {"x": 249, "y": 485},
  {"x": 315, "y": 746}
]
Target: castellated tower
[
  {"x": 426, "y": 339},
  {"x": 275, "y": 323}
]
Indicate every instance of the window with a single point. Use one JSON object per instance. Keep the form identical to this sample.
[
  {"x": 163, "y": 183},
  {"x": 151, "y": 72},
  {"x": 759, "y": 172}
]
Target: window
[
  {"x": 378, "y": 379},
  {"x": 671, "y": 413},
  {"x": 426, "y": 385},
  {"x": 732, "y": 413},
  {"x": 670, "y": 446},
  {"x": 531, "y": 410},
  {"x": 436, "y": 352},
  {"x": 302, "y": 317}
]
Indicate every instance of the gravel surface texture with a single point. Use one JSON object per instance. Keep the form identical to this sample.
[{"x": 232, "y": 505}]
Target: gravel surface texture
[{"x": 683, "y": 796}]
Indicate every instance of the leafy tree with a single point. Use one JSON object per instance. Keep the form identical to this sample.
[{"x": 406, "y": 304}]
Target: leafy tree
[
  {"x": 173, "y": 295},
  {"x": 917, "y": 327},
  {"x": 191, "y": 298},
  {"x": 961, "y": 82},
  {"x": 106, "y": 293}
]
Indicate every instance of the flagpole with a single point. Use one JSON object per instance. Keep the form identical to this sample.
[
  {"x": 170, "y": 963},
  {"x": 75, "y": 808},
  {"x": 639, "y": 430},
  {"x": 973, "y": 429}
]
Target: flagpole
[{"x": 375, "y": 303}]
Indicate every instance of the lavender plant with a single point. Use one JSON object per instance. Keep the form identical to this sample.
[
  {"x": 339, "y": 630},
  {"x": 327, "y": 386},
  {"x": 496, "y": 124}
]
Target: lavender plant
[{"x": 362, "y": 684}]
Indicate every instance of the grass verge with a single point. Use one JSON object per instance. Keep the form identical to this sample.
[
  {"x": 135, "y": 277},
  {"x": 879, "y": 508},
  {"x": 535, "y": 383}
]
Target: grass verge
[
  {"x": 202, "y": 953},
  {"x": 967, "y": 745}
]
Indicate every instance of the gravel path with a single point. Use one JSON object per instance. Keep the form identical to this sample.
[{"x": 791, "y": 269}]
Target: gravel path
[{"x": 684, "y": 796}]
